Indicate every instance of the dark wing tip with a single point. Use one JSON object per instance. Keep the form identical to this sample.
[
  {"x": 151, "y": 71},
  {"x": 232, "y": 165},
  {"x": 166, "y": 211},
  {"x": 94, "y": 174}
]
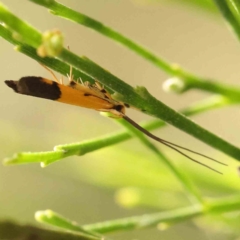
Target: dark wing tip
[
  {"x": 36, "y": 86},
  {"x": 12, "y": 84}
]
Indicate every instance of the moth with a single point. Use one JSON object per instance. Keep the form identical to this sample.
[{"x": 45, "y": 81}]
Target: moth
[{"x": 92, "y": 96}]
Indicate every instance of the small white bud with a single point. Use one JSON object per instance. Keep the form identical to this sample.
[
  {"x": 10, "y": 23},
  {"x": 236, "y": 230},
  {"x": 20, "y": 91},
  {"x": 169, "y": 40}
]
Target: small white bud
[{"x": 174, "y": 84}]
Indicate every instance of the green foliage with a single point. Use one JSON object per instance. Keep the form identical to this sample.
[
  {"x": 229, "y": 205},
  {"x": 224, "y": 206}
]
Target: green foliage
[{"x": 31, "y": 42}]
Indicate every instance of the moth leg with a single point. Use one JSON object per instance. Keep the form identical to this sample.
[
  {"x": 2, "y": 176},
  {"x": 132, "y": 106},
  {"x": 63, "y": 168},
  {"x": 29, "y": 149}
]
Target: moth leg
[
  {"x": 98, "y": 85},
  {"x": 61, "y": 80},
  {"x": 87, "y": 84},
  {"x": 80, "y": 79},
  {"x": 70, "y": 75},
  {"x": 52, "y": 73}
]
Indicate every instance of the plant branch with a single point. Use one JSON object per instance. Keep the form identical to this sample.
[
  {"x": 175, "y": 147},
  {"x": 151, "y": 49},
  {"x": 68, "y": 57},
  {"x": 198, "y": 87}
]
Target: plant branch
[
  {"x": 190, "y": 80},
  {"x": 52, "y": 63},
  {"x": 230, "y": 17},
  {"x": 70, "y": 14},
  {"x": 21, "y": 30},
  {"x": 172, "y": 216},
  {"x": 223, "y": 205},
  {"x": 81, "y": 148},
  {"x": 139, "y": 98},
  {"x": 56, "y": 220},
  {"x": 11, "y": 230}
]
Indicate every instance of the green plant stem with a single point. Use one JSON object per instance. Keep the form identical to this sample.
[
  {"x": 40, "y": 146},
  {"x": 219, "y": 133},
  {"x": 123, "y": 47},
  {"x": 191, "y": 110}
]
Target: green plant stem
[
  {"x": 11, "y": 230},
  {"x": 192, "y": 193},
  {"x": 210, "y": 85},
  {"x": 147, "y": 220},
  {"x": 143, "y": 100},
  {"x": 228, "y": 15},
  {"x": 223, "y": 205},
  {"x": 191, "y": 81},
  {"x": 139, "y": 98},
  {"x": 234, "y": 6},
  {"x": 168, "y": 115},
  {"x": 52, "y": 63},
  {"x": 65, "y": 12},
  {"x": 56, "y": 220},
  {"x": 205, "y": 5},
  {"x": 63, "y": 151},
  {"x": 21, "y": 30}
]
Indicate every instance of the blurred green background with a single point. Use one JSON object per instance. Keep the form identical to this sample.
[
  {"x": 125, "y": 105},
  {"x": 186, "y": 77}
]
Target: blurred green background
[{"x": 83, "y": 188}]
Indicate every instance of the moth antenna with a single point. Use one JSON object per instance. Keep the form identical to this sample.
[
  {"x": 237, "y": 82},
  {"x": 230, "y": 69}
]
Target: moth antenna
[
  {"x": 173, "y": 146},
  {"x": 192, "y": 159},
  {"x": 197, "y": 153}
]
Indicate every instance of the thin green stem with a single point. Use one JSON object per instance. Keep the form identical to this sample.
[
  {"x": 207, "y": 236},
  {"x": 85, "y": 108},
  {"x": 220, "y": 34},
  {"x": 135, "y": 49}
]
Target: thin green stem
[
  {"x": 11, "y": 230},
  {"x": 52, "y": 63},
  {"x": 138, "y": 98},
  {"x": 141, "y": 99},
  {"x": 63, "y": 151},
  {"x": 84, "y": 64},
  {"x": 210, "y": 85},
  {"x": 65, "y": 12},
  {"x": 206, "y": 5},
  {"x": 145, "y": 221},
  {"x": 182, "y": 214},
  {"x": 21, "y": 30},
  {"x": 234, "y": 5},
  {"x": 51, "y": 218},
  {"x": 191, "y": 81},
  {"x": 177, "y": 120},
  {"x": 228, "y": 15},
  {"x": 223, "y": 205}
]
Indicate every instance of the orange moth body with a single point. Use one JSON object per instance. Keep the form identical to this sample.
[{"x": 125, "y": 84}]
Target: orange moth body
[{"x": 87, "y": 96}]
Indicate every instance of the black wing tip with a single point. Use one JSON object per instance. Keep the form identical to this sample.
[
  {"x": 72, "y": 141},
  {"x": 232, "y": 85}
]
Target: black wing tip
[
  {"x": 22, "y": 81},
  {"x": 30, "y": 78},
  {"x": 12, "y": 84}
]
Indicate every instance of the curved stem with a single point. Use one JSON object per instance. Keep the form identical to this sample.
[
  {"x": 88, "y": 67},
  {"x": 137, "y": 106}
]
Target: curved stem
[
  {"x": 191, "y": 81},
  {"x": 139, "y": 98},
  {"x": 63, "y": 151},
  {"x": 177, "y": 215}
]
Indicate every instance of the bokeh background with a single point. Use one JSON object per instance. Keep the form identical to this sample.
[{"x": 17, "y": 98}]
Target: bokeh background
[{"x": 83, "y": 188}]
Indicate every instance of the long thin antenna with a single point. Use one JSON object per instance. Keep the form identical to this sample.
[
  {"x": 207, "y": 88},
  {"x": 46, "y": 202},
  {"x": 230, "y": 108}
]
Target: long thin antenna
[{"x": 174, "y": 146}]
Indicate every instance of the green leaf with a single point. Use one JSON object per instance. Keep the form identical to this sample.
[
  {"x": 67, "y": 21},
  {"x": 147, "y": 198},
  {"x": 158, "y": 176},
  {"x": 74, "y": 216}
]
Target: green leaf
[{"x": 54, "y": 219}]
